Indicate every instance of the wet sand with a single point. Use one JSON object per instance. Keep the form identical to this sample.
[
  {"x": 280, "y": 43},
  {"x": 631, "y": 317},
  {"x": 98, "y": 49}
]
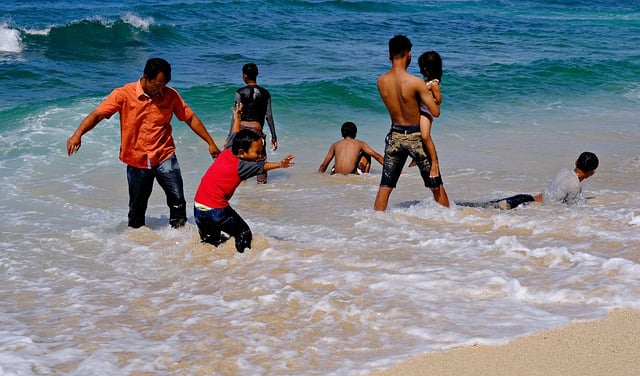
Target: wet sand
[{"x": 605, "y": 347}]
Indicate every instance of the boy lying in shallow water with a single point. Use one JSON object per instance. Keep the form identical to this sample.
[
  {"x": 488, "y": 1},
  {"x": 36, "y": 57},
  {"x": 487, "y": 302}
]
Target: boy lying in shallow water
[{"x": 565, "y": 188}]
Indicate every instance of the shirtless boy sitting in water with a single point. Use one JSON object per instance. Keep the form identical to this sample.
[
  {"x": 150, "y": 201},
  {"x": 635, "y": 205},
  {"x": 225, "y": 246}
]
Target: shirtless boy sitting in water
[{"x": 352, "y": 156}]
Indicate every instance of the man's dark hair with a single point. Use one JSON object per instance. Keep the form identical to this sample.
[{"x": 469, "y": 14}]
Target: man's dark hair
[
  {"x": 349, "y": 129},
  {"x": 587, "y": 162},
  {"x": 399, "y": 46},
  {"x": 156, "y": 65},
  {"x": 251, "y": 70},
  {"x": 243, "y": 140}
]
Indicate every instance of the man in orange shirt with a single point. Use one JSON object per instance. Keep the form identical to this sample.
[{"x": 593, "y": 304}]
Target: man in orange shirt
[{"x": 146, "y": 108}]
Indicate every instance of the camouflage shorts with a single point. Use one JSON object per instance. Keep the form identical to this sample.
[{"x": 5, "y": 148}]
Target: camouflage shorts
[{"x": 400, "y": 146}]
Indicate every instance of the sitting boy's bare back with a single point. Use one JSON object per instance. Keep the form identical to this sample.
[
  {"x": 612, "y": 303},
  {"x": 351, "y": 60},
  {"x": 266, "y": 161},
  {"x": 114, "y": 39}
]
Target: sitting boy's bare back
[
  {"x": 348, "y": 153},
  {"x": 352, "y": 156}
]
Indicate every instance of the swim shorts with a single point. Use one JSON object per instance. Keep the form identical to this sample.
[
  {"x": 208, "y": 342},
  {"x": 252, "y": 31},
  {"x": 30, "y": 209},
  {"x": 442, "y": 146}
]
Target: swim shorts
[{"x": 401, "y": 143}]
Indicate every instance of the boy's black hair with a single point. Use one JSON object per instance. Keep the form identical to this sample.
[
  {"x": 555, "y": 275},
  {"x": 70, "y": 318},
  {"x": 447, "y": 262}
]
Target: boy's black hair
[
  {"x": 243, "y": 140},
  {"x": 430, "y": 64},
  {"x": 156, "y": 65},
  {"x": 251, "y": 70},
  {"x": 587, "y": 161},
  {"x": 399, "y": 46},
  {"x": 349, "y": 129}
]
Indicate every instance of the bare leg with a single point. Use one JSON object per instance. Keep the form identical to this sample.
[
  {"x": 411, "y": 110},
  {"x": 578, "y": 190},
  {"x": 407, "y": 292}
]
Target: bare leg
[
  {"x": 382, "y": 198},
  {"x": 440, "y": 195},
  {"x": 365, "y": 164}
]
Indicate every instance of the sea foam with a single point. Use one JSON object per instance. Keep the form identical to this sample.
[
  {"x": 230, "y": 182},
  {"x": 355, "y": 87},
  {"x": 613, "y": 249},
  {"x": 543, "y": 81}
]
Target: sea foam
[{"x": 10, "y": 40}]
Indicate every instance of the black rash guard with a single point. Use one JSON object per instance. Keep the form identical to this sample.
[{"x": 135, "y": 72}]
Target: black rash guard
[{"x": 256, "y": 106}]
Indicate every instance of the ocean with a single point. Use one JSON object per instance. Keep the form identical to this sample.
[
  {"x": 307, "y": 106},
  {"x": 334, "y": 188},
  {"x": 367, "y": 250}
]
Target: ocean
[{"x": 330, "y": 287}]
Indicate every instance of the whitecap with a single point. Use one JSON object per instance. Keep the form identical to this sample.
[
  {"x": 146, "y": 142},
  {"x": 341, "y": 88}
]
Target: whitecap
[
  {"x": 44, "y": 31},
  {"x": 633, "y": 94},
  {"x": 137, "y": 21},
  {"x": 10, "y": 40}
]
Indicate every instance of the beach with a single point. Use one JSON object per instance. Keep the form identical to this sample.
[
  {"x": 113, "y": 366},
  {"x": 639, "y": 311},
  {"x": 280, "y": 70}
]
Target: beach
[
  {"x": 602, "y": 347},
  {"x": 329, "y": 286}
]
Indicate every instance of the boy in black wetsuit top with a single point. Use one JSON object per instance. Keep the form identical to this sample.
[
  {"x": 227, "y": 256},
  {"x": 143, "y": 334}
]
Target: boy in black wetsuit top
[{"x": 256, "y": 102}]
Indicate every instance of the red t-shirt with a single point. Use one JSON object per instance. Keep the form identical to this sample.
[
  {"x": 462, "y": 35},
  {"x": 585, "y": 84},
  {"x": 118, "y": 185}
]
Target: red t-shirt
[{"x": 223, "y": 177}]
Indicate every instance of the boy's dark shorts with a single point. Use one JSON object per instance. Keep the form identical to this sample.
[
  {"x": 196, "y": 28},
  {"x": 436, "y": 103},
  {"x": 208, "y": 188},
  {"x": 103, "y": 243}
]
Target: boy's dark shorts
[{"x": 400, "y": 146}]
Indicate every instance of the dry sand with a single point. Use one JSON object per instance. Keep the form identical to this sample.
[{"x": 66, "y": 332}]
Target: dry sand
[{"x": 608, "y": 347}]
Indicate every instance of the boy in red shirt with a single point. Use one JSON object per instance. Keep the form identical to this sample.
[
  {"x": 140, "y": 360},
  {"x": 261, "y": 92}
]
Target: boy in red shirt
[{"x": 239, "y": 161}]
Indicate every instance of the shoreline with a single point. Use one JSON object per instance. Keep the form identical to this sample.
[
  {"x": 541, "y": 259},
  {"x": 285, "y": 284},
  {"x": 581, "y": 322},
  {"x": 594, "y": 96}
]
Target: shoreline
[{"x": 609, "y": 346}]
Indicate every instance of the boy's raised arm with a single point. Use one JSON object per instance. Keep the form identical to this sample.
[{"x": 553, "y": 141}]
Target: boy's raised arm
[{"x": 237, "y": 116}]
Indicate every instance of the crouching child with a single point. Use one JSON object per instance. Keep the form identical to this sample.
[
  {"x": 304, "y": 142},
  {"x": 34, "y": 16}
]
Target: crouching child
[{"x": 240, "y": 160}]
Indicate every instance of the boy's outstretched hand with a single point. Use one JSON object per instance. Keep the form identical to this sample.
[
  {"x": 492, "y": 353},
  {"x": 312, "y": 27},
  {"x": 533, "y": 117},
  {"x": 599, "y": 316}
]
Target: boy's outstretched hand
[{"x": 287, "y": 161}]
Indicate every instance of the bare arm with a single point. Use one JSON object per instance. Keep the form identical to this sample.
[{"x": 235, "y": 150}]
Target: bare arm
[
  {"x": 237, "y": 118},
  {"x": 427, "y": 99},
  {"x": 198, "y": 128},
  {"x": 325, "y": 163},
  {"x": 285, "y": 163},
  {"x": 236, "y": 121},
  {"x": 237, "y": 100},
  {"x": 367, "y": 149},
  {"x": 88, "y": 123},
  {"x": 434, "y": 86}
]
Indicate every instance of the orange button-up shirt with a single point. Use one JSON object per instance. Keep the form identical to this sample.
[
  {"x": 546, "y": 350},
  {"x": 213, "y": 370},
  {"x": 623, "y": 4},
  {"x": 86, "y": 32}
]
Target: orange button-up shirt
[{"x": 145, "y": 123}]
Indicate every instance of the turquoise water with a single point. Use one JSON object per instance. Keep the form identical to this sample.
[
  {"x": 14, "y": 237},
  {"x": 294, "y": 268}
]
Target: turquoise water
[{"x": 330, "y": 287}]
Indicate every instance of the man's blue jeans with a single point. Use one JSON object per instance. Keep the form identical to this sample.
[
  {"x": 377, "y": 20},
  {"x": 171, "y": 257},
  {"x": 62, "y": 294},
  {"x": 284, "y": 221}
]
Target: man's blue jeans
[{"x": 141, "y": 184}]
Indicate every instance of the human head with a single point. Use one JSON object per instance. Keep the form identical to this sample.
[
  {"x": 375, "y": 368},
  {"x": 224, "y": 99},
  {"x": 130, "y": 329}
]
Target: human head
[
  {"x": 587, "y": 162},
  {"x": 399, "y": 46},
  {"x": 156, "y": 65},
  {"x": 250, "y": 70},
  {"x": 349, "y": 129},
  {"x": 247, "y": 145},
  {"x": 430, "y": 64}
]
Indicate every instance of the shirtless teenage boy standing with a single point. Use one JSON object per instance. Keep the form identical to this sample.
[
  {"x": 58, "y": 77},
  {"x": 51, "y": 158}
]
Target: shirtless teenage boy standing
[{"x": 401, "y": 92}]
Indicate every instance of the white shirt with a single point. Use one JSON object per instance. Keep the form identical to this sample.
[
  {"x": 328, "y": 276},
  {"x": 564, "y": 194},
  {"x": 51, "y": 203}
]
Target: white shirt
[{"x": 565, "y": 188}]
